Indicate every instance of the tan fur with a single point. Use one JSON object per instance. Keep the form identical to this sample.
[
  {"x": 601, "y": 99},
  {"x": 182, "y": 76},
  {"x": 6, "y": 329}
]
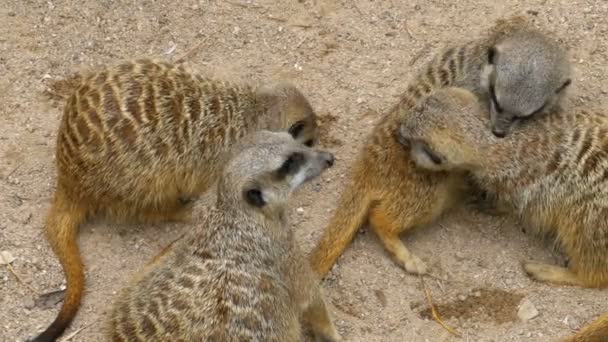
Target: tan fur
[
  {"x": 138, "y": 141},
  {"x": 551, "y": 173},
  {"x": 240, "y": 275},
  {"x": 385, "y": 188}
]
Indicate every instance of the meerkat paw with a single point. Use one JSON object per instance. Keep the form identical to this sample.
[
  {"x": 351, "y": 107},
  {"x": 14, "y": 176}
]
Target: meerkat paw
[
  {"x": 333, "y": 337},
  {"x": 551, "y": 274},
  {"x": 414, "y": 265}
]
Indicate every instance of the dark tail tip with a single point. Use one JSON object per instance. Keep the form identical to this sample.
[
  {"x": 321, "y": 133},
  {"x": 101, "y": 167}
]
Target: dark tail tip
[{"x": 52, "y": 333}]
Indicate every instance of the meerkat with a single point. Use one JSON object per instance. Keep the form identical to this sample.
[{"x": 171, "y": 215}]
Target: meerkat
[
  {"x": 240, "y": 276},
  {"x": 140, "y": 140},
  {"x": 387, "y": 190},
  {"x": 551, "y": 173}
]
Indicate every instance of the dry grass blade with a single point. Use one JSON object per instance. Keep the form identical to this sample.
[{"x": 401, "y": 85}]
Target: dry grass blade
[
  {"x": 434, "y": 312},
  {"x": 191, "y": 52},
  {"x": 76, "y": 332},
  {"x": 12, "y": 270}
]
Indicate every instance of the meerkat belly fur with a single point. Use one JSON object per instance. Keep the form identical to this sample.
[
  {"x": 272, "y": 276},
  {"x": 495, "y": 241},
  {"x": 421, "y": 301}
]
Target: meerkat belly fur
[
  {"x": 388, "y": 191},
  {"x": 138, "y": 141},
  {"x": 240, "y": 275}
]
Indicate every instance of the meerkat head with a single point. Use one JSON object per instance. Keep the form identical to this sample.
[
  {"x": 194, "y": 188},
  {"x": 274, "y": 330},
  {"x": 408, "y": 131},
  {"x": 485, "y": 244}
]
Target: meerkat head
[
  {"x": 526, "y": 73},
  {"x": 287, "y": 109},
  {"x": 446, "y": 130},
  {"x": 266, "y": 168}
]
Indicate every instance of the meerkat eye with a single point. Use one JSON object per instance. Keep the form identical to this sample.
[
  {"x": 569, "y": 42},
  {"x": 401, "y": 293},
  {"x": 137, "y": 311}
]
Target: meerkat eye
[
  {"x": 564, "y": 86},
  {"x": 491, "y": 55},
  {"x": 494, "y": 99},
  {"x": 309, "y": 142},
  {"x": 431, "y": 154},
  {"x": 255, "y": 198},
  {"x": 291, "y": 164},
  {"x": 296, "y": 129}
]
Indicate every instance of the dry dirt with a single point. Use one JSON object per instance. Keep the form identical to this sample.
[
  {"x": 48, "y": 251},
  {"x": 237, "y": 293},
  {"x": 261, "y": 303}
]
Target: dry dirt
[{"x": 352, "y": 58}]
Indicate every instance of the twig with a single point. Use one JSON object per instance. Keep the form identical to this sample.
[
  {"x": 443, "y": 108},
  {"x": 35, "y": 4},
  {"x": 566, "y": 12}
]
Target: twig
[
  {"x": 12, "y": 172},
  {"x": 434, "y": 312},
  {"x": 72, "y": 335},
  {"x": 240, "y": 4},
  {"x": 277, "y": 19},
  {"x": 12, "y": 270},
  {"x": 409, "y": 32},
  {"x": 190, "y": 52}
]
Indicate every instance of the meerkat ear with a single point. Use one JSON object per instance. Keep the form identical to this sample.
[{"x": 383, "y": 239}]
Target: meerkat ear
[
  {"x": 491, "y": 54},
  {"x": 255, "y": 198},
  {"x": 564, "y": 86},
  {"x": 296, "y": 129}
]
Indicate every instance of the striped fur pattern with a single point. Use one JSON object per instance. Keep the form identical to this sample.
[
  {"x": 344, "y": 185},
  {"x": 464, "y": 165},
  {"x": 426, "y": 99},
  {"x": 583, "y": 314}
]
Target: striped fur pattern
[
  {"x": 140, "y": 140},
  {"x": 386, "y": 189},
  {"x": 240, "y": 275},
  {"x": 551, "y": 173}
]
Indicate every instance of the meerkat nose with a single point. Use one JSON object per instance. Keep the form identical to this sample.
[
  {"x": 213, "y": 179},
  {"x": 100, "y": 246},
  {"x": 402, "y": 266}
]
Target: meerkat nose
[{"x": 499, "y": 133}]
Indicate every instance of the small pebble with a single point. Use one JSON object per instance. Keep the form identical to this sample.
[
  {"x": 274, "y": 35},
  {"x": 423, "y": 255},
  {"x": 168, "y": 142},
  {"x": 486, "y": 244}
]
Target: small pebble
[{"x": 527, "y": 310}]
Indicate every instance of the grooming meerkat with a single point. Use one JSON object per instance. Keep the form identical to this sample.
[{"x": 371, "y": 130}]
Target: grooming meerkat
[
  {"x": 550, "y": 172},
  {"x": 388, "y": 191},
  {"x": 138, "y": 141},
  {"x": 240, "y": 276}
]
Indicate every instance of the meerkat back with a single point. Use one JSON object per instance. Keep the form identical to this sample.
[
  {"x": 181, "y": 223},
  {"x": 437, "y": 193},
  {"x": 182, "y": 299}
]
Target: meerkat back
[{"x": 239, "y": 276}]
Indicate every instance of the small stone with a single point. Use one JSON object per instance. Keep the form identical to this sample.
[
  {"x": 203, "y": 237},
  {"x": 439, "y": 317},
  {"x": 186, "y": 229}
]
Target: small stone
[
  {"x": 527, "y": 310},
  {"x": 460, "y": 256},
  {"x": 462, "y": 298},
  {"x": 29, "y": 303},
  {"x": 6, "y": 258},
  {"x": 300, "y": 210}
]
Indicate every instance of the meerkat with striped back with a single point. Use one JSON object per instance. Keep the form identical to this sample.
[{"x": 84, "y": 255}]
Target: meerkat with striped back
[
  {"x": 550, "y": 173},
  {"x": 140, "y": 140},
  {"x": 388, "y": 191},
  {"x": 240, "y": 275}
]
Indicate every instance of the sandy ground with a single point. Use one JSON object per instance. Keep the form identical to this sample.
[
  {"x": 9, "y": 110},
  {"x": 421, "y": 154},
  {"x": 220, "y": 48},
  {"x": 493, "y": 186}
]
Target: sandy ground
[{"x": 352, "y": 58}]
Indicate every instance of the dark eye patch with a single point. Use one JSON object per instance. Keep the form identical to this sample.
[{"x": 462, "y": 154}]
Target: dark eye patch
[
  {"x": 494, "y": 99},
  {"x": 563, "y": 86},
  {"x": 254, "y": 197},
  {"x": 309, "y": 142},
  {"x": 432, "y": 155},
  {"x": 491, "y": 55},
  {"x": 296, "y": 129},
  {"x": 291, "y": 165}
]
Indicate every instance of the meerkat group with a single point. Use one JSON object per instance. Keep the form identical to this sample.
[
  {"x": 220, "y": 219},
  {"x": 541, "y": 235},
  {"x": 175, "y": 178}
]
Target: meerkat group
[{"x": 140, "y": 141}]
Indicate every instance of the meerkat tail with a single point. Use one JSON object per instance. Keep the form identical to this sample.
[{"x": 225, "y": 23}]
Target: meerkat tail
[
  {"x": 61, "y": 231},
  {"x": 596, "y": 331},
  {"x": 352, "y": 211}
]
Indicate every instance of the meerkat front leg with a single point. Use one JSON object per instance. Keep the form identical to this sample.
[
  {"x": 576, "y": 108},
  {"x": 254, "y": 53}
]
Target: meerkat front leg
[
  {"x": 387, "y": 231},
  {"x": 552, "y": 274},
  {"x": 317, "y": 317}
]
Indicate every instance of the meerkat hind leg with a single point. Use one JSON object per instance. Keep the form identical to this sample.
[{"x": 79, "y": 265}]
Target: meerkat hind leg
[
  {"x": 552, "y": 274},
  {"x": 386, "y": 230}
]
